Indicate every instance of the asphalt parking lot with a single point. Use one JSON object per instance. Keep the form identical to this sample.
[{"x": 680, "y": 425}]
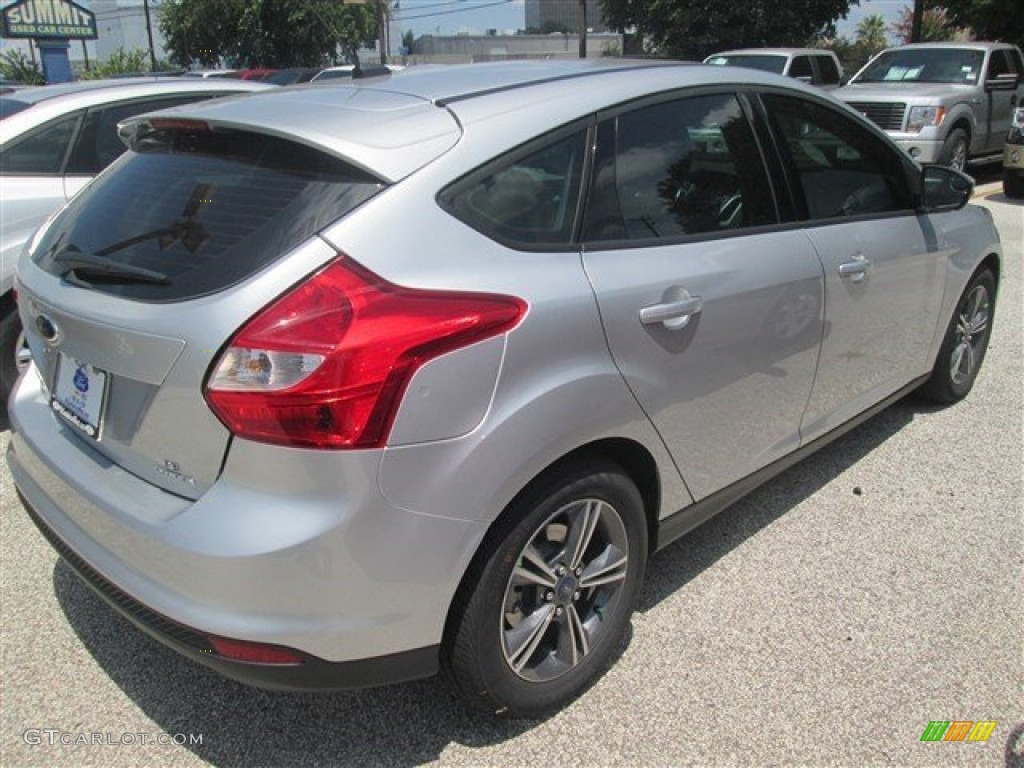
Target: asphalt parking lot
[{"x": 824, "y": 620}]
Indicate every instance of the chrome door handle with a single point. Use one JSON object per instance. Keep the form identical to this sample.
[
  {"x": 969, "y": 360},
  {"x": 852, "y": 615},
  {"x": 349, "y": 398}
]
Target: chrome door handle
[
  {"x": 856, "y": 270},
  {"x": 674, "y": 315}
]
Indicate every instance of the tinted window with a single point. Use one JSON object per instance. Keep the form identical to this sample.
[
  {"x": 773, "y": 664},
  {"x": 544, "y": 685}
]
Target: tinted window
[
  {"x": 828, "y": 69},
  {"x": 999, "y": 65},
  {"x": 528, "y": 198},
  {"x": 98, "y": 145},
  {"x": 841, "y": 168},
  {"x": 801, "y": 67},
  {"x": 679, "y": 168},
  {"x": 41, "y": 152},
  {"x": 10, "y": 105},
  {"x": 1017, "y": 61},
  {"x": 205, "y": 210}
]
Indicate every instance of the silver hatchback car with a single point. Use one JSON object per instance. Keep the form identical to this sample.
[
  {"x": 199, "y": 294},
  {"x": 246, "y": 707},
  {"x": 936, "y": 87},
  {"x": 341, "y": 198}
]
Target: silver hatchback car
[{"x": 345, "y": 385}]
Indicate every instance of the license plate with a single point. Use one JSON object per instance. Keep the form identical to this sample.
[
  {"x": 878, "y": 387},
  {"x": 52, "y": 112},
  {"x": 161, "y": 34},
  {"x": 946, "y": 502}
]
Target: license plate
[{"x": 78, "y": 394}]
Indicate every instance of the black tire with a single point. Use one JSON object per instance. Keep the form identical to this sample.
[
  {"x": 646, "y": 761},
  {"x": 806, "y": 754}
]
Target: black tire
[
  {"x": 10, "y": 339},
  {"x": 965, "y": 343},
  {"x": 955, "y": 149},
  {"x": 1013, "y": 184},
  {"x": 491, "y": 652}
]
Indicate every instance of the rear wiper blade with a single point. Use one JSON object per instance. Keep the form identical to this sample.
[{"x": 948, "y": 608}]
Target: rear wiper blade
[{"x": 80, "y": 266}]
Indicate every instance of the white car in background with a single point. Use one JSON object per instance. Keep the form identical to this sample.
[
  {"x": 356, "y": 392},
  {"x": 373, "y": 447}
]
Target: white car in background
[
  {"x": 53, "y": 140},
  {"x": 814, "y": 66}
]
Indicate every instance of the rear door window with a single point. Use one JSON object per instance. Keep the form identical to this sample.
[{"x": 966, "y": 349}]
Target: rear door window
[
  {"x": 800, "y": 68},
  {"x": 194, "y": 211},
  {"x": 685, "y": 167},
  {"x": 42, "y": 152},
  {"x": 828, "y": 70}
]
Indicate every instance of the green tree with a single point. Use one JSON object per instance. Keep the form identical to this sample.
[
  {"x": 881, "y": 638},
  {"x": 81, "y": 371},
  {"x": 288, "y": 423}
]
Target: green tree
[
  {"x": 871, "y": 33},
  {"x": 988, "y": 19},
  {"x": 120, "y": 62},
  {"x": 265, "y": 33},
  {"x": 15, "y": 65},
  {"x": 935, "y": 25},
  {"x": 693, "y": 29}
]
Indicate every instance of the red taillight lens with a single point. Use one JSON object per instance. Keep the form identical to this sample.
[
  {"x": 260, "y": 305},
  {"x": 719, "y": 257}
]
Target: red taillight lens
[
  {"x": 325, "y": 365},
  {"x": 254, "y": 653}
]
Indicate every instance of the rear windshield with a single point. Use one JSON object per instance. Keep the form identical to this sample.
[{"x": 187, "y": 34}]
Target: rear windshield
[
  {"x": 187, "y": 214},
  {"x": 774, "y": 64}
]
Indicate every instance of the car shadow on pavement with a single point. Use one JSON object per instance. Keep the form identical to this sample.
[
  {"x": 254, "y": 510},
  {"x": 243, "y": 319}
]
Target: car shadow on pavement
[
  {"x": 414, "y": 722},
  {"x": 406, "y": 724}
]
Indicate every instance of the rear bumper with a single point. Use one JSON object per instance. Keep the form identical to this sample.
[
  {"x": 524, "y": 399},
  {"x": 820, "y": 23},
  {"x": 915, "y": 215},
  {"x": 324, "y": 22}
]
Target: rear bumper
[
  {"x": 313, "y": 674},
  {"x": 289, "y": 548}
]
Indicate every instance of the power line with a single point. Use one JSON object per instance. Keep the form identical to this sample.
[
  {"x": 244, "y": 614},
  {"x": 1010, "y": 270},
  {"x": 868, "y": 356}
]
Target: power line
[{"x": 456, "y": 10}]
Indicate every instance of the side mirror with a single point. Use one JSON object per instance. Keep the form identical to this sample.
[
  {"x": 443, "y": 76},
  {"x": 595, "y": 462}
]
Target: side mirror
[{"x": 944, "y": 189}]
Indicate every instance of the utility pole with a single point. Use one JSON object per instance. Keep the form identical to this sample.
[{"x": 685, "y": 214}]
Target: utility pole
[
  {"x": 581, "y": 26},
  {"x": 917, "y": 19},
  {"x": 149, "y": 36},
  {"x": 382, "y": 20}
]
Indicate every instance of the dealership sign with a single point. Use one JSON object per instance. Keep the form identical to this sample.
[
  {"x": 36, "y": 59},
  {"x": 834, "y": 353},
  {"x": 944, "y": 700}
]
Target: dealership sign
[{"x": 49, "y": 18}]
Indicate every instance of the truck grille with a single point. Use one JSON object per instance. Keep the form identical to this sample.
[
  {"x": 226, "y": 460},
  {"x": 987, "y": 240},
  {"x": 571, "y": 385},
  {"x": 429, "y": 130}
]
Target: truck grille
[{"x": 888, "y": 117}]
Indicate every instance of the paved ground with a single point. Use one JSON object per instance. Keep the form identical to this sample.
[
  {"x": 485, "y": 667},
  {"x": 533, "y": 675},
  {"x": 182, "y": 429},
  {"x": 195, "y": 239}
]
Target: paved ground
[{"x": 825, "y": 620}]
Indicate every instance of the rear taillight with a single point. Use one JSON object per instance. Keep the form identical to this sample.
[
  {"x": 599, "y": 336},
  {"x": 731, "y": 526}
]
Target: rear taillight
[{"x": 326, "y": 364}]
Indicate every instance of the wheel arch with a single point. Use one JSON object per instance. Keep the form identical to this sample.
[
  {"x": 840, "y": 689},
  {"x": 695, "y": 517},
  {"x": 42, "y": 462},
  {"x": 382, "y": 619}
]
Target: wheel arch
[{"x": 632, "y": 457}]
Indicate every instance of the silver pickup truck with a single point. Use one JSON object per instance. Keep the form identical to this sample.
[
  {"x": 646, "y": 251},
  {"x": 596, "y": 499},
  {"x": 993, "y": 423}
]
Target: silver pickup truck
[{"x": 945, "y": 103}]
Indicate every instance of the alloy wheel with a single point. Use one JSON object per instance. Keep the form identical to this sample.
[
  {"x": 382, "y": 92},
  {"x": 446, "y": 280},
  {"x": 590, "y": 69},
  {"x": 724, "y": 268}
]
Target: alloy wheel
[
  {"x": 971, "y": 329},
  {"x": 567, "y": 582}
]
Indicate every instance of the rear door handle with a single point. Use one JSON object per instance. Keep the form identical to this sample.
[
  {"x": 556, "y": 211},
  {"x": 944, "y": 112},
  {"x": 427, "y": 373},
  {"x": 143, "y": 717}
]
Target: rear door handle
[
  {"x": 856, "y": 270},
  {"x": 674, "y": 315}
]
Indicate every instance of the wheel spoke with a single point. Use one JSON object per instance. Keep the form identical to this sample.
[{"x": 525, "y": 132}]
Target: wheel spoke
[
  {"x": 521, "y": 642},
  {"x": 607, "y": 568},
  {"x": 967, "y": 366},
  {"x": 562, "y": 596},
  {"x": 533, "y": 569},
  {"x": 582, "y": 531},
  {"x": 573, "y": 644}
]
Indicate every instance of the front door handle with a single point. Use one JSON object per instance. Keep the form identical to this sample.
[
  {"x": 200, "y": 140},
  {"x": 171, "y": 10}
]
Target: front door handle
[
  {"x": 856, "y": 270},
  {"x": 674, "y": 315}
]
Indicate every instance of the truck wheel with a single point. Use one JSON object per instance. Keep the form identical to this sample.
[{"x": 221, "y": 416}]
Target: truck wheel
[
  {"x": 954, "y": 150},
  {"x": 1013, "y": 184}
]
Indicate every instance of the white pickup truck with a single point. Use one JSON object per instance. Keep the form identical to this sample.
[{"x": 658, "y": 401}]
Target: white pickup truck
[{"x": 945, "y": 103}]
